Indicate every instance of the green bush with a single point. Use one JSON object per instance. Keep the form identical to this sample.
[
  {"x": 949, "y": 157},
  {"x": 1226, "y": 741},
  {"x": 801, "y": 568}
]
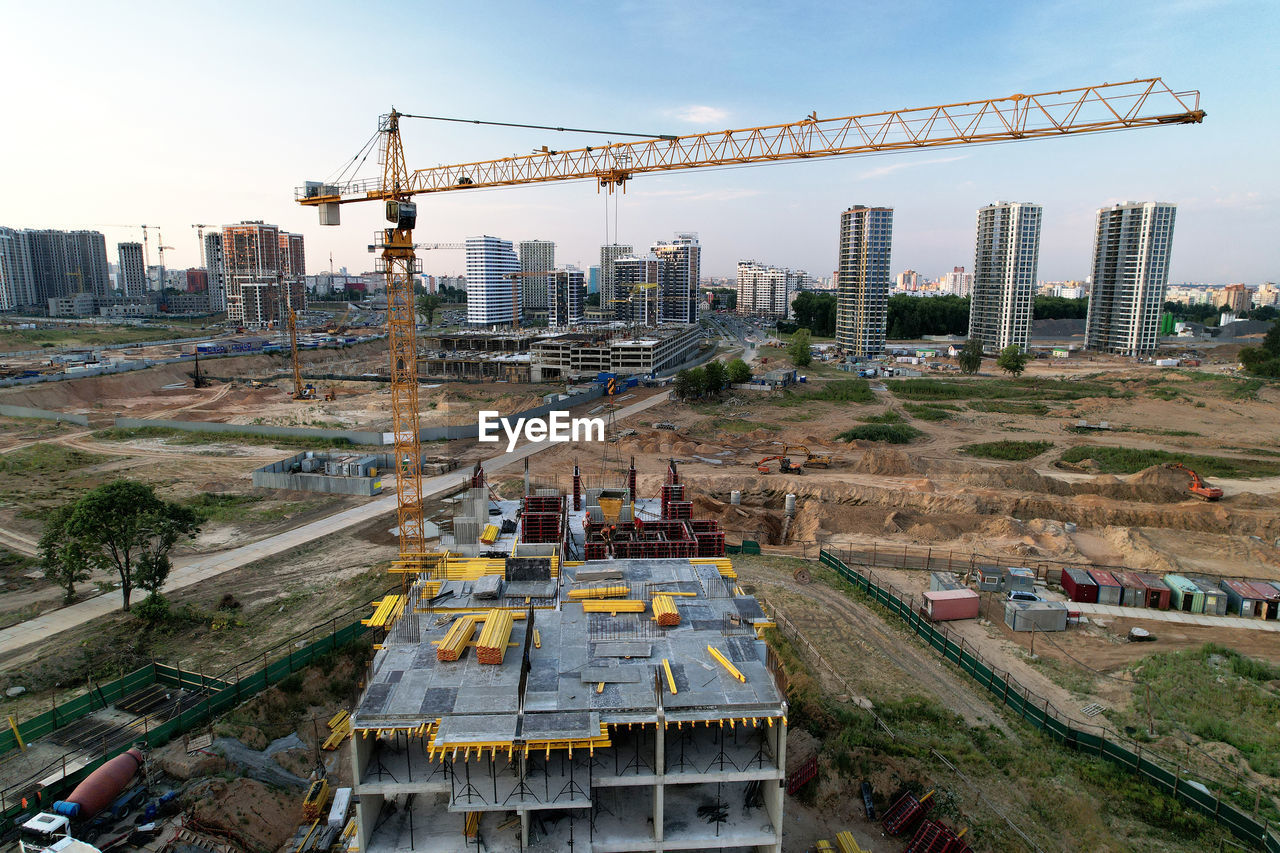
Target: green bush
[
  {"x": 1012, "y": 451},
  {"x": 929, "y": 388},
  {"x": 291, "y": 683},
  {"x": 928, "y": 413},
  {"x": 152, "y": 610},
  {"x": 889, "y": 433},
  {"x": 889, "y": 417},
  {"x": 1010, "y": 407}
]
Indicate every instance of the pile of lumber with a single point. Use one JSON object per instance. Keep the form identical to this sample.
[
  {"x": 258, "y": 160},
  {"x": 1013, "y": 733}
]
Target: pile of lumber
[
  {"x": 616, "y": 591},
  {"x": 456, "y": 638},
  {"x": 664, "y": 610},
  {"x": 492, "y": 645}
]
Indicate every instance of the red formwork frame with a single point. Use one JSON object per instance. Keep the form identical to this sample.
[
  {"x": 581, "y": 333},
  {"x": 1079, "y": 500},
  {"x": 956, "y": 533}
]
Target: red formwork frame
[
  {"x": 543, "y": 503},
  {"x": 540, "y": 527}
]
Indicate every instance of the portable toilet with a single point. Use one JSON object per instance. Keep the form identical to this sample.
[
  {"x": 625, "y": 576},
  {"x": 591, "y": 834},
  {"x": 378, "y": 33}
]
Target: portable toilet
[
  {"x": 1108, "y": 586},
  {"x": 1215, "y": 600},
  {"x": 1184, "y": 595},
  {"x": 1157, "y": 591},
  {"x": 1079, "y": 586},
  {"x": 1133, "y": 592},
  {"x": 1021, "y": 580},
  {"x": 1242, "y": 599},
  {"x": 1270, "y": 598}
]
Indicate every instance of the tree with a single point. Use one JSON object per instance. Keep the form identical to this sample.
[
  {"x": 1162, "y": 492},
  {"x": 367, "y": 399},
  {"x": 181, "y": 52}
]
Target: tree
[
  {"x": 739, "y": 372},
  {"x": 429, "y": 304},
  {"x": 691, "y": 383},
  {"x": 123, "y": 526},
  {"x": 798, "y": 349},
  {"x": 65, "y": 562},
  {"x": 1059, "y": 308},
  {"x": 970, "y": 357},
  {"x": 911, "y": 318},
  {"x": 593, "y": 300},
  {"x": 717, "y": 377},
  {"x": 1012, "y": 360}
]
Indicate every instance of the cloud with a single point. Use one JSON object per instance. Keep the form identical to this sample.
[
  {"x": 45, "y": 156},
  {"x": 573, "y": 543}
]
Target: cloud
[
  {"x": 890, "y": 168},
  {"x": 699, "y": 114}
]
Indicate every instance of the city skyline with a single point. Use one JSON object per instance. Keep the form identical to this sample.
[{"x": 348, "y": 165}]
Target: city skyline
[{"x": 247, "y": 168}]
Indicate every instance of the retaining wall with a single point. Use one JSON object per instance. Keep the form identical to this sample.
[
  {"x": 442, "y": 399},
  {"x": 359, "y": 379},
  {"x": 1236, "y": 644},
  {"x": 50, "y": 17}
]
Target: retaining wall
[{"x": 304, "y": 433}]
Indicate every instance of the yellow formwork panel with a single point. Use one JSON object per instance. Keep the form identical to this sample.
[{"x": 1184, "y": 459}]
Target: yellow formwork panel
[
  {"x": 613, "y": 605},
  {"x": 385, "y": 611},
  {"x": 490, "y": 534},
  {"x": 615, "y": 591},
  {"x": 723, "y": 565}
]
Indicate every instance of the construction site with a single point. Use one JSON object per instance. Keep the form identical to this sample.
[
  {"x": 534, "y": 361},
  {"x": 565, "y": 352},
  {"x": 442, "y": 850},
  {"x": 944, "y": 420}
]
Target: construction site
[{"x": 925, "y": 614}]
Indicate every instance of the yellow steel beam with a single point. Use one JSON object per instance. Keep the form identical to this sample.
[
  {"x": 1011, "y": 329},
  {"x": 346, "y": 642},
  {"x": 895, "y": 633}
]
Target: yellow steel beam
[{"x": 671, "y": 679}]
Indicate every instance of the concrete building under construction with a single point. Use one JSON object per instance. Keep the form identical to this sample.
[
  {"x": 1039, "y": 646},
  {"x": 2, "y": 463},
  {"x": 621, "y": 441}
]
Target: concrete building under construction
[{"x": 525, "y": 698}]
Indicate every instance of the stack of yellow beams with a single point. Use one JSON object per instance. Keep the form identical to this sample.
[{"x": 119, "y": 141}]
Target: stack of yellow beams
[
  {"x": 316, "y": 800},
  {"x": 456, "y": 638},
  {"x": 490, "y": 534},
  {"x": 664, "y": 608},
  {"x": 598, "y": 592},
  {"x": 471, "y": 826},
  {"x": 723, "y": 565},
  {"x": 385, "y": 612},
  {"x": 846, "y": 842},
  {"x": 492, "y": 645},
  {"x": 339, "y": 729},
  {"x": 614, "y": 605},
  {"x": 824, "y": 846}
]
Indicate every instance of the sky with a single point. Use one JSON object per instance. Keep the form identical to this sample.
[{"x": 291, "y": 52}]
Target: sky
[{"x": 171, "y": 114}]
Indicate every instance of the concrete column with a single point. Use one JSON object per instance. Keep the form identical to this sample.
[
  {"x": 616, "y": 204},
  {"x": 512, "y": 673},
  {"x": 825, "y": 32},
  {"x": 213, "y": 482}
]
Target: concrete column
[
  {"x": 775, "y": 793},
  {"x": 368, "y": 806},
  {"x": 659, "y": 769}
]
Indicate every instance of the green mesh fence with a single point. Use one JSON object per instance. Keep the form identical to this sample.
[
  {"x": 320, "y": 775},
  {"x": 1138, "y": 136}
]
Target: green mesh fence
[{"x": 1168, "y": 776}]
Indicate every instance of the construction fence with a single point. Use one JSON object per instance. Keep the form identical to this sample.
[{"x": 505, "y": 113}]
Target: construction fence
[
  {"x": 209, "y": 697},
  {"x": 44, "y": 414},
  {"x": 1170, "y": 776}
]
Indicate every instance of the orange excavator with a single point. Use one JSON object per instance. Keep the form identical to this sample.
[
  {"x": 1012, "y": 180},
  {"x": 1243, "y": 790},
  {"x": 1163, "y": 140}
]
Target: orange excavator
[
  {"x": 1198, "y": 487},
  {"x": 784, "y": 465}
]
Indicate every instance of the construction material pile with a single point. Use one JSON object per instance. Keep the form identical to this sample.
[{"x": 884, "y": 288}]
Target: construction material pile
[
  {"x": 664, "y": 609},
  {"x": 456, "y": 638},
  {"x": 492, "y": 645},
  {"x": 616, "y": 591}
]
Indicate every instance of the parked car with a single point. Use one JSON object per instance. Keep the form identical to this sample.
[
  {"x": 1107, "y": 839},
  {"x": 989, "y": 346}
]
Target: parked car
[{"x": 1023, "y": 595}]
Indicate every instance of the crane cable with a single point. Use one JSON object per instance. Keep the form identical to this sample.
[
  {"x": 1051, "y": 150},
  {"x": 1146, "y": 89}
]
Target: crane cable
[{"x": 668, "y": 137}]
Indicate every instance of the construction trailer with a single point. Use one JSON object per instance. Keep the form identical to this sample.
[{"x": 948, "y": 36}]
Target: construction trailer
[
  {"x": 1036, "y": 615},
  {"x": 1270, "y": 598},
  {"x": 1079, "y": 586},
  {"x": 990, "y": 578},
  {"x": 1243, "y": 599},
  {"x": 944, "y": 581},
  {"x": 1184, "y": 595},
  {"x": 1109, "y": 589},
  {"x": 1157, "y": 591},
  {"x": 949, "y": 605},
  {"x": 1019, "y": 580},
  {"x": 1133, "y": 592},
  {"x": 1215, "y": 600}
]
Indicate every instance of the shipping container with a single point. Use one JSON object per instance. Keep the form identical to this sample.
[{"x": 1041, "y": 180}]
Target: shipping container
[
  {"x": 950, "y": 604},
  {"x": 1133, "y": 592},
  {"x": 1215, "y": 600},
  {"x": 1270, "y": 598},
  {"x": 1021, "y": 580},
  {"x": 1184, "y": 595},
  {"x": 1242, "y": 599},
  {"x": 1157, "y": 591},
  {"x": 1080, "y": 586},
  {"x": 1036, "y": 615},
  {"x": 990, "y": 578},
  {"x": 1108, "y": 586}
]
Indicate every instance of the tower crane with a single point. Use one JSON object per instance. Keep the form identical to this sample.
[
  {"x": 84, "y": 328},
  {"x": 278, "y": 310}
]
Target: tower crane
[
  {"x": 200, "y": 239},
  {"x": 162, "y": 248},
  {"x": 1089, "y": 109}
]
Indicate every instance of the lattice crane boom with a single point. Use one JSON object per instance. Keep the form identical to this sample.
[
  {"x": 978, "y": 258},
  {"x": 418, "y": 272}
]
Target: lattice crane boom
[{"x": 1090, "y": 109}]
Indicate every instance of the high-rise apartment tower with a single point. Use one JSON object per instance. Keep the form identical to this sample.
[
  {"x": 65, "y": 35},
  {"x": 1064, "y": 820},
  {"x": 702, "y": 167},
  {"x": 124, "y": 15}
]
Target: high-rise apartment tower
[
  {"x": 862, "y": 296},
  {"x": 1131, "y": 248},
  {"x": 1004, "y": 274}
]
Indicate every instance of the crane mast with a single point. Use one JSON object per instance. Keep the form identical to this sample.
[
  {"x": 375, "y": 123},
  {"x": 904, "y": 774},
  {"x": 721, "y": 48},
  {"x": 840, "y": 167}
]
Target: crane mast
[{"x": 1147, "y": 102}]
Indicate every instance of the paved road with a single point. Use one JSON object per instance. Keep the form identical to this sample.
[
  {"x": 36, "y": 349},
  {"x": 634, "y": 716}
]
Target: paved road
[
  {"x": 1175, "y": 616},
  {"x": 195, "y": 569}
]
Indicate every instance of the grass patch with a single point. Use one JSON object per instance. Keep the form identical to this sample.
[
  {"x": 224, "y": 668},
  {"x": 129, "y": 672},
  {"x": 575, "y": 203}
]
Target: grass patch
[
  {"x": 889, "y": 417},
  {"x": 1217, "y": 694},
  {"x": 928, "y": 413},
  {"x": 23, "y": 339},
  {"x": 46, "y": 459},
  {"x": 927, "y": 388},
  {"x": 1010, "y": 407},
  {"x": 222, "y": 507},
  {"x": 889, "y": 433},
  {"x": 1130, "y": 460},
  {"x": 1010, "y": 451},
  {"x": 1176, "y": 433},
  {"x": 836, "y": 391},
  {"x": 179, "y": 436}
]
